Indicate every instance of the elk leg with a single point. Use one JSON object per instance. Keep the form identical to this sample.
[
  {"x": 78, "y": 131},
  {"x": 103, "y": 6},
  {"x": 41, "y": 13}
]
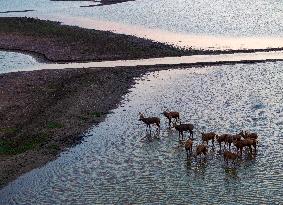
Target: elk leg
[
  {"x": 158, "y": 127},
  {"x": 187, "y": 154},
  {"x": 251, "y": 151},
  {"x": 255, "y": 147}
]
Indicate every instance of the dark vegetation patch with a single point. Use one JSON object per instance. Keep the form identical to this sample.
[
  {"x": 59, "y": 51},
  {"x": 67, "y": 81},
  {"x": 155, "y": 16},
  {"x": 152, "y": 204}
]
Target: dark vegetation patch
[{"x": 23, "y": 144}]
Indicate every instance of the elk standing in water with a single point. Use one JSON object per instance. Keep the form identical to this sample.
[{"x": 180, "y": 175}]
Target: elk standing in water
[
  {"x": 172, "y": 115},
  {"x": 149, "y": 121},
  {"x": 189, "y": 147},
  {"x": 206, "y": 137},
  {"x": 240, "y": 144},
  {"x": 246, "y": 135},
  {"x": 220, "y": 139},
  {"x": 229, "y": 156},
  {"x": 201, "y": 149},
  {"x": 251, "y": 142},
  {"x": 231, "y": 138},
  {"x": 184, "y": 127}
]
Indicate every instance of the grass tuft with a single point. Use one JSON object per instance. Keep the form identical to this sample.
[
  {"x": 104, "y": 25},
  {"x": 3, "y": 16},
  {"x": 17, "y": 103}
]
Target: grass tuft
[
  {"x": 9, "y": 147},
  {"x": 54, "y": 125}
]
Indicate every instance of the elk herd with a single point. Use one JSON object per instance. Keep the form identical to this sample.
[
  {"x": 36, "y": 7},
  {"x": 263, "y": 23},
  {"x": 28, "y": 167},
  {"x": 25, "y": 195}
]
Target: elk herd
[{"x": 239, "y": 141}]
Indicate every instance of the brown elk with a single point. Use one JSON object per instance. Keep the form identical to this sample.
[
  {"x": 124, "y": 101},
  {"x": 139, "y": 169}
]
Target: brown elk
[
  {"x": 229, "y": 156},
  {"x": 149, "y": 121},
  {"x": 172, "y": 115},
  {"x": 240, "y": 144},
  {"x": 184, "y": 127},
  {"x": 206, "y": 137},
  {"x": 189, "y": 147},
  {"x": 201, "y": 149},
  {"x": 251, "y": 135},
  {"x": 220, "y": 139},
  {"x": 251, "y": 142},
  {"x": 231, "y": 138}
]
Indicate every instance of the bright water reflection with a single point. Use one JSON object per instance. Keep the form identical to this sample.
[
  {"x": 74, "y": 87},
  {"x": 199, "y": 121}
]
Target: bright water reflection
[
  {"x": 12, "y": 61},
  {"x": 117, "y": 164}
]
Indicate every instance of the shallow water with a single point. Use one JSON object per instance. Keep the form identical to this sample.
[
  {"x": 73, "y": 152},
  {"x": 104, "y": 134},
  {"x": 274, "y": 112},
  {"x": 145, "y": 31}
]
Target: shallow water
[
  {"x": 117, "y": 163},
  {"x": 12, "y": 61}
]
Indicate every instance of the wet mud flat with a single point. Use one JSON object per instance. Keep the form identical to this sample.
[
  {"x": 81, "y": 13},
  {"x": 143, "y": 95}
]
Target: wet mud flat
[{"x": 62, "y": 43}]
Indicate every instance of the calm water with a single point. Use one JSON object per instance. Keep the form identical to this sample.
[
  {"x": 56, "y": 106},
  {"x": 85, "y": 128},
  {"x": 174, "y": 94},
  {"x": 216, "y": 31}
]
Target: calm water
[
  {"x": 118, "y": 164},
  {"x": 11, "y": 61}
]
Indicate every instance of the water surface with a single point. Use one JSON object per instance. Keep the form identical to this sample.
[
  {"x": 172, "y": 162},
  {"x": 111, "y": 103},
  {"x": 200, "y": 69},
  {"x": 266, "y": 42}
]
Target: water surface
[{"x": 12, "y": 61}]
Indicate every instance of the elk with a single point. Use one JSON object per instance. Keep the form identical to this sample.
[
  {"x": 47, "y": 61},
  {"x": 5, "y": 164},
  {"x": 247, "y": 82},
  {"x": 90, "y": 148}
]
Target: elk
[
  {"x": 229, "y": 156},
  {"x": 240, "y": 144},
  {"x": 248, "y": 135},
  {"x": 184, "y": 127},
  {"x": 251, "y": 142},
  {"x": 206, "y": 137},
  {"x": 220, "y": 139},
  {"x": 189, "y": 147},
  {"x": 172, "y": 115},
  {"x": 230, "y": 138},
  {"x": 201, "y": 149},
  {"x": 149, "y": 121}
]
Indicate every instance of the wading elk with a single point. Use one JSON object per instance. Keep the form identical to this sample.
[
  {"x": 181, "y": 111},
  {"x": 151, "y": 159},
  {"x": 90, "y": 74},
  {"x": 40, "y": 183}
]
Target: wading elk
[
  {"x": 231, "y": 138},
  {"x": 206, "y": 137},
  {"x": 149, "y": 121},
  {"x": 220, "y": 139},
  {"x": 201, "y": 149},
  {"x": 240, "y": 144},
  {"x": 189, "y": 147},
  {"x": 246, "y": 135},
  {"x": 184, "y": 127},
  {"x": 229, "y": 156},
  {"x": 172, "y": 115}
]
